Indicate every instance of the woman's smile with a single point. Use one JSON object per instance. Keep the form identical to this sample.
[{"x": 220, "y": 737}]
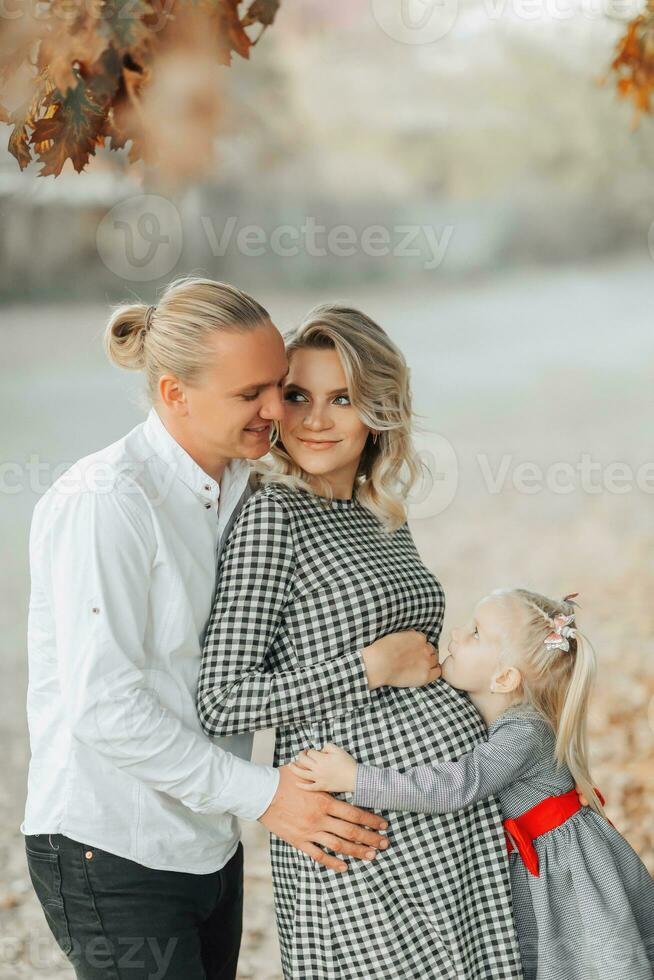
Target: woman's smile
[{"x": 318, "y": 444}]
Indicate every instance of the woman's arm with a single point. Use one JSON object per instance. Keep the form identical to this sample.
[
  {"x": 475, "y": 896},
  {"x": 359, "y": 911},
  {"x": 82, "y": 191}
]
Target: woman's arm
[
  {"x": 238, "y": 690},
  {"x": 443, "y": 787}
]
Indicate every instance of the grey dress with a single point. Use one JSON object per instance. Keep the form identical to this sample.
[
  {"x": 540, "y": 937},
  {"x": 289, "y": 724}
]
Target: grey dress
[{"x": 589, "y": 915}]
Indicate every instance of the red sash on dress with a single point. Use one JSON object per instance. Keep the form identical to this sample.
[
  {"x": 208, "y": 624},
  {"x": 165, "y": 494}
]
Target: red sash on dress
[{"x": 550, "y": 813}]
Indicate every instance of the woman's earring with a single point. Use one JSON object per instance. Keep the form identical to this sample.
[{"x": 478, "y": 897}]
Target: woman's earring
[{"x": 375, "y": 437}]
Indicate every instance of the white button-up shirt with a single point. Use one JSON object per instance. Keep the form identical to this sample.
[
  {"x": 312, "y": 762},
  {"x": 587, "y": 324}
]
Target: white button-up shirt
[{"x": 123, "y": 552}]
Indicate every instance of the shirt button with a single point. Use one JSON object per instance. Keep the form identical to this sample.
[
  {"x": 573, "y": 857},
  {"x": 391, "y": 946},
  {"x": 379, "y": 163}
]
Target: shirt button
[
  {"x": 208, "y": 504},
  {"x": 89, "y": 855},
  {"x": 207, "y": 486}
]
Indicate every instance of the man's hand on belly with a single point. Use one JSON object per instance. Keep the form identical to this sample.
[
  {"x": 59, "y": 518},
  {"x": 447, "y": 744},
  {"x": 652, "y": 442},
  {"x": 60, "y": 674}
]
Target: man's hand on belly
[{"x": 311, "y": 821}]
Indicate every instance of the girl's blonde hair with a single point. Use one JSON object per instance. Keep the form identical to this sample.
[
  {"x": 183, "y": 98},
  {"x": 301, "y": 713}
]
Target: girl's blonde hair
[
  {"x": 173, "y": 337},
  {"x": 377, "y": 379},
  {"x": 556, "y": 682}
]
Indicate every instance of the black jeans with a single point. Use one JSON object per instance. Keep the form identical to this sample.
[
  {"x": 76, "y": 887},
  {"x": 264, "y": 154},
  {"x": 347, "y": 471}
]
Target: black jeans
[{"x": 117, "y": 920}]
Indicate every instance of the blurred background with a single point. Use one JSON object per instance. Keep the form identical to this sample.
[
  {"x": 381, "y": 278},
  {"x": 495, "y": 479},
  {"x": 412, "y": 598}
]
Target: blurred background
[{"x": 457, "y": 171}]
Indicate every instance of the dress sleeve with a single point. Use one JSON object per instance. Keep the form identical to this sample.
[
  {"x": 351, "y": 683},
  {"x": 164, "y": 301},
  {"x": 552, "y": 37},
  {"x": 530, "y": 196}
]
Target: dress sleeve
[
  {"x": 513, "y": 748},
  {"x": 239, "y": 691}
]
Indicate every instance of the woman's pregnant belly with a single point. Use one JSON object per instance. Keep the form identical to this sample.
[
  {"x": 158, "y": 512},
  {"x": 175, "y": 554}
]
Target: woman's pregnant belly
[
  {"x": 438, "y": 867},
  {"x": 398, "y": 727}
]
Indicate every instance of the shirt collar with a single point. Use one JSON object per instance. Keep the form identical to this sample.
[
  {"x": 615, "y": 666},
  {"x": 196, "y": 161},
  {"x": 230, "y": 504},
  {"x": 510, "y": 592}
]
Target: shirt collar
[{"x": 235, "y": 475}]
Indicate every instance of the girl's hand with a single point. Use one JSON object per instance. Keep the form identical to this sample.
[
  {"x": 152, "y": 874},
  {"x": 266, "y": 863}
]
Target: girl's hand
[
  {"x": 332, "y": 770},
  {"x": 582, "y": 799}
]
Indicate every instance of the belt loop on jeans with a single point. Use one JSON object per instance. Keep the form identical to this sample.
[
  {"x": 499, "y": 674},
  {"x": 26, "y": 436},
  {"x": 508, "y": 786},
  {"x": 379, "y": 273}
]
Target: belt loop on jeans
[{"x": 51, "y": 844}]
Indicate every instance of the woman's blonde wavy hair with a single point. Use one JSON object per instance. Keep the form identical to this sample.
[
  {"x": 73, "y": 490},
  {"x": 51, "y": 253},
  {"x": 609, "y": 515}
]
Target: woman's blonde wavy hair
[
  {"x": 556, "y": 682},
  {"x": 377, "y": 379}
]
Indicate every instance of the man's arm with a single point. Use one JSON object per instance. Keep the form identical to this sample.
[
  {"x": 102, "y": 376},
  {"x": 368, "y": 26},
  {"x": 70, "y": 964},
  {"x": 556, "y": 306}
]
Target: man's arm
[{"x": 98, "y": 552}]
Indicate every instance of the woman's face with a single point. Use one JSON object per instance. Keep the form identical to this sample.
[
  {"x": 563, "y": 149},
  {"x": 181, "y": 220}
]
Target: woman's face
[{"x": 320, "y": 429}]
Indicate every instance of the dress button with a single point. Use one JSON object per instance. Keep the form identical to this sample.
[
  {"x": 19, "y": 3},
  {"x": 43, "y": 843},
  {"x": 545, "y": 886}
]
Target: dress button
[{"x": 89, "y": 855}]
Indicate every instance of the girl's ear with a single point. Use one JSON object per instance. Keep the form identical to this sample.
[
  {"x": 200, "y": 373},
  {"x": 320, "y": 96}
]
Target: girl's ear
[{"x": 506, "y": 681}]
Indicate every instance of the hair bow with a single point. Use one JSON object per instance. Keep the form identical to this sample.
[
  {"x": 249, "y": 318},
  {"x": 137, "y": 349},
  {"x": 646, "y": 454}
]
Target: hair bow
[{"x": 558, "y": 638}]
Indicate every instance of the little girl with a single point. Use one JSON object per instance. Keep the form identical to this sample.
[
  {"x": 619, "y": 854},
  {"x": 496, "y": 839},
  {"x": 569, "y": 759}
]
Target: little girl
[{"x": 583, "y": 900}]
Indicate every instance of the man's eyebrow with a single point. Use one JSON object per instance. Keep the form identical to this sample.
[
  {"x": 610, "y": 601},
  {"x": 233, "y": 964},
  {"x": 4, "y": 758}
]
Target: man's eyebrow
[{"x": 260, "y": 384}]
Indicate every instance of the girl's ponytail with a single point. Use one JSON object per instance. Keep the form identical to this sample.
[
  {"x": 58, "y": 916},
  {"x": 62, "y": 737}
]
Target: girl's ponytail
[{"x": 571, "y": 733}]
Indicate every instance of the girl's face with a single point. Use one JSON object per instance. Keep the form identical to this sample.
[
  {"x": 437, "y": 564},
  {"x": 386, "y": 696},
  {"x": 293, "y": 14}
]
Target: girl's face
[
  {"x": 320, "y": 429},
  {"x": 475, "y": 648}
]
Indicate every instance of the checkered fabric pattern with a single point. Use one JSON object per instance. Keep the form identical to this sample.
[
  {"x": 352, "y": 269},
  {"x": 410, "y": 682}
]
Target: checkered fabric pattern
[
  {"x": 520, "y": 746},
  {"x": 304, "y": 585},
  {"x": 589, "y": 915}
]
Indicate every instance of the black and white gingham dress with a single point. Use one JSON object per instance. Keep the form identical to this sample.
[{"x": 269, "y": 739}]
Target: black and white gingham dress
[
  {"x": 589, "y": 914},
  {"x": 303, "y": 585}
]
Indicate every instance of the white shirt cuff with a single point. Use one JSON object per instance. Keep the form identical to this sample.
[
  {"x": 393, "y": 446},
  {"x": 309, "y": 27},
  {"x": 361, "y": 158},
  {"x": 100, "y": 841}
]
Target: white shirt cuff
[{"x": 250, "y": 790}]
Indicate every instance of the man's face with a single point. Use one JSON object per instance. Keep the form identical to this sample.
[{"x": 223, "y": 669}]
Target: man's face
[{"x": 230, "y": 408}]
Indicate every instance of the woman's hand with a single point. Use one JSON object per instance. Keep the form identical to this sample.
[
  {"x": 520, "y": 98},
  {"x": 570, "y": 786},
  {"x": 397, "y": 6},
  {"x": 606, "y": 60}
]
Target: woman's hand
[
  {"x": 403, "y": 659},
  {"x": 332, "y": 770}
]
